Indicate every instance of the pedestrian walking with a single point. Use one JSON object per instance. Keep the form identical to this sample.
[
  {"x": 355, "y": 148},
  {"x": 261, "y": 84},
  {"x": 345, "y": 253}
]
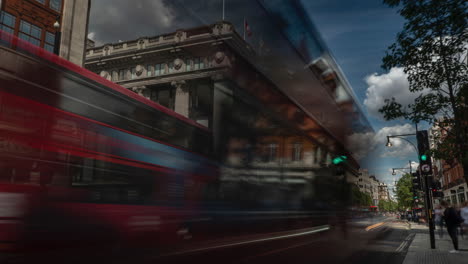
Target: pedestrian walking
[
  {"x": 452, "y": 220},
  {"x": 439, "y": 213},
  {"x": 464, "y": 216}
]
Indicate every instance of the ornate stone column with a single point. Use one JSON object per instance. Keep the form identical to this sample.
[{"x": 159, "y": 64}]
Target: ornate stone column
[{"x": 182, "y": 98}]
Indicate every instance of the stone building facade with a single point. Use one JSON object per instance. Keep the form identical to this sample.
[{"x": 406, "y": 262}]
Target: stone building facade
[{"x": 209, "y": 74}]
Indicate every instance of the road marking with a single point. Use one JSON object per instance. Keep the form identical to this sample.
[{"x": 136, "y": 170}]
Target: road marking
[
  {"x": 279, "y": 250},
  {"x": 315, "y": 230},
  {"x": 405, "y": 242},
  {"x": 374, "y": 226}
]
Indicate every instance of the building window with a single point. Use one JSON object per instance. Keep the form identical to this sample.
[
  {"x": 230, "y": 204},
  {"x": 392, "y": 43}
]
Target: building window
[
  {"x": 122, "y": 74},
  {"x": 7, "y": 22},
  {"x": 56, "y": 5},
  {"x": 41, "y": 1},
  {"x": 115, "y": 76},
  {"x": 158, "y": 69},
  {"x": 318, "y": 155},
  {"x": 272, "y": 152},
  {"x": 297, "y": 152},
  {"x": 188, "y": 65},
  {"x": 49, "y": 41},
  {"x": 171, "y": 67},
  {"x": 133, "y": 73},
  {"x": 198, "y": 63},
  {"x": 30, "y": 33},
  {"x": 149, "y": 70}
]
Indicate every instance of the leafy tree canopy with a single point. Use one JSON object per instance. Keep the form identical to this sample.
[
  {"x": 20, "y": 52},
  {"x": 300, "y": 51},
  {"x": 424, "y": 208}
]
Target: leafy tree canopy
[{"x": 432, "y": 49}]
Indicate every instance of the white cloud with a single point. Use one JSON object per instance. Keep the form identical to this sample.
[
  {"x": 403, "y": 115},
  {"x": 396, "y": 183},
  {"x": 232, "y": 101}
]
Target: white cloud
[
  {"x": 385, "y": 86},
  {"x": 361, "y": 144}
]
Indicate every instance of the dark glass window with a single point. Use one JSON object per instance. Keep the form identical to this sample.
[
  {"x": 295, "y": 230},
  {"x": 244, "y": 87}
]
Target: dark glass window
[
  {"x": 188, "y": 65},
  {"x": 122, "y": 74},
  {"x": 7, "y": 22},
  {"x": 297, "y": 152},
  {"x": 56, "y": 5},
  {"x": 115, "y": 76},
  {"x": 41, "y": 1},
  {"x": 30, "y": 33},
  {"x": 149, "y": 70},
  {"x": 171, "y": 67},
  {"x": 272, "y": 152},
  {"x": 158, "y": 69},
  {"x": 49, "y": 42}
]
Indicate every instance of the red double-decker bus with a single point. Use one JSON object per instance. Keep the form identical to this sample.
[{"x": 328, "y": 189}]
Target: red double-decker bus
[{"x": 84, "y": 161}]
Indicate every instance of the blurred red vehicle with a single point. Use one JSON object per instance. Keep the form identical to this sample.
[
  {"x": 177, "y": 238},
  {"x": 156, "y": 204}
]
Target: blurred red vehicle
[{"x": 86, "y": 162}]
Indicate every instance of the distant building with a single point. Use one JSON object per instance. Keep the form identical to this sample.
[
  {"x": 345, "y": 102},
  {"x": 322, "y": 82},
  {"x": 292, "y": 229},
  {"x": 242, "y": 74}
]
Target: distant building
[
  {"x": 383, "y": 192},
  {"x": 374, "y": 189},
  {"x": 368, "y": 184},
  {"x": 33, "y": 21}
]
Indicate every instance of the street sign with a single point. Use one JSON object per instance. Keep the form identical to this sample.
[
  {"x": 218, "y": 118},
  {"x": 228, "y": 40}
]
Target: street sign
[{"x": 426, "y": 168}]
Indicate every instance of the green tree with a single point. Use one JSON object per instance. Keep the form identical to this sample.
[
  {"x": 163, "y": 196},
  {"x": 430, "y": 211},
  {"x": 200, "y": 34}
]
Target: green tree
[
  {"x": 404, "y": 192},
  {"x": 432, "y": 48}
]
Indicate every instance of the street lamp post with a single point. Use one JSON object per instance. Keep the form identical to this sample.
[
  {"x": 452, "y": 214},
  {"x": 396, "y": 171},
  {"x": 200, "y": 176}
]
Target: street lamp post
[
  {"x": 58, "y": 36},
  {"x": 428, "y": 200}
]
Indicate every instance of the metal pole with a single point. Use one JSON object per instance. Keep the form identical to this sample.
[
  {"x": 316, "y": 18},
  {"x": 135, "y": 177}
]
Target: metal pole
[
  {"x": 427, "y": 184},
  {"x": 223, "y": 10},
  {"x": 428, "y": 201},
  {"x": 410, "y": 171},
  {"x": 58, "y": 36}
]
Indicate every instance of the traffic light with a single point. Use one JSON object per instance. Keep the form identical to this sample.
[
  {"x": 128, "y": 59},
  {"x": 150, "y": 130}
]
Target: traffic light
[
  {"x": 339, "y": 159},
  {"x": 339, "y": 163},
  {"x": 423, "y": 149},
  {"x": 437, "y": 189},
  {"x": 416, "y": 179},
  {"x": 416, "y": 195}
]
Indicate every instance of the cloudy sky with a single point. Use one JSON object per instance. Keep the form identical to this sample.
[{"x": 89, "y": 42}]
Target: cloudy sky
[{"x": 356, "y": 31}]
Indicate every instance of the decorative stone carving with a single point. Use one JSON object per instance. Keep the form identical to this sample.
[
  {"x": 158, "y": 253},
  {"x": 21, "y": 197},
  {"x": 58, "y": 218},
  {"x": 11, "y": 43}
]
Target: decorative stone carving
[
  {"x": 105, "y": 75},
  {"x": 140, "y": 90},
  {"x": 180, "y": 85},
  {"x": 219, "y": 57},
  {"x": 106, "y": 50},
  {"x": 178, "y": 64},
  {"x": 180, "y": 36},
  {"x": 139, "y": 70}
]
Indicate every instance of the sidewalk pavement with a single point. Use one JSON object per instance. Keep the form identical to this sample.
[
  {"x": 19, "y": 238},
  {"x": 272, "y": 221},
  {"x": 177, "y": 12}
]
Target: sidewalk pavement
[{"x": 420, "y": 249}]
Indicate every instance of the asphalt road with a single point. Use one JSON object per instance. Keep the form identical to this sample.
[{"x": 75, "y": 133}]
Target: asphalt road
[
  {"x": 376, "y": 240},
  {"x": 372, "y": 240}
]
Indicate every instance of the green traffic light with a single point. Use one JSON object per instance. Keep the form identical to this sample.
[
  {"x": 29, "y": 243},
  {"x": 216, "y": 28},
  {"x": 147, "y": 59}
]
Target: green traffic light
[
  {"x": 339, "y": 160},
  {"x": 423, "y": 157}
]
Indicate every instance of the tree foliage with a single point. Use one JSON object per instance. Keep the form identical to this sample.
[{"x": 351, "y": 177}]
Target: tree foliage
[
  {"x": 404, "y": 192},
  {"x": 388, "y": 206},
  {"x": 432, "y": 48}
]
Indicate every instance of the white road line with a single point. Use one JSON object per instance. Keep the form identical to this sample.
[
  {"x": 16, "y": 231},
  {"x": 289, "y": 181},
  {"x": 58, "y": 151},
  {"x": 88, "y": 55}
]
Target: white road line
[
  {"x": 315, "y": 230},
  {"x": 405, "y": 243}
]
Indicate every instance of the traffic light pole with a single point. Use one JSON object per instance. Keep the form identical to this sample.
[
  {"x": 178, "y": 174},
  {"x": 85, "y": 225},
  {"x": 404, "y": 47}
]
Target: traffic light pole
[
  {"x": 425, "y": 170},
  {"x": 428, "y": 202}
]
